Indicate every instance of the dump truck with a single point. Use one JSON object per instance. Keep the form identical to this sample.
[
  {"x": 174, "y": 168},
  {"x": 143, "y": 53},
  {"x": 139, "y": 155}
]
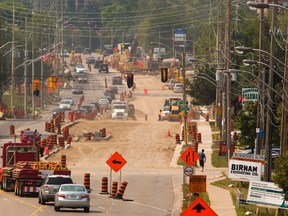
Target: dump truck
[{"x": 22, "y": 172}]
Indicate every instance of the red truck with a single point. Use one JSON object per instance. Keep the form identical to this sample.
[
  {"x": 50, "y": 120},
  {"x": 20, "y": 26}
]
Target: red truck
[{"x": 22, "y": 172}]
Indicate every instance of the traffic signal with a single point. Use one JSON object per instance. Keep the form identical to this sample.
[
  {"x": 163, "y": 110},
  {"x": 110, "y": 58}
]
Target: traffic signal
[
  {"x": 130, "y": 81},
  {"x": 164, "y": 74},
  {"x": 176, "y": 74},
  {"x": 52, "y": 81},
  {"x": 36, "y": 87}
]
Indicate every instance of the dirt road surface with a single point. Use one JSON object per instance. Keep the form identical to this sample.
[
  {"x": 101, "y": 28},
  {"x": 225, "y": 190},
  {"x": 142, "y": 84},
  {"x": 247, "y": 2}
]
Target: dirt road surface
[{"x": 143, "y": 142}]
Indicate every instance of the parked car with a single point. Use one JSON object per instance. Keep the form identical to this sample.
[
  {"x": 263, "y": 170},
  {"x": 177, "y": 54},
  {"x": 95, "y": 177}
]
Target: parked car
[
  {"x": 116, "y": 80},
  {"x": 87, "y": 51},
  {"x": 72, "y": 196},
  {"x": 97, "y": 63},
  {"x": 81, "y": 111},
  {"x": 103, "y": 68},
  {"x": 69, "y": 98},
  {"x": 82, "y": 78},
  {"x": 79, "y": 67},
  {"x": 50, "y": 186},
  {"x": 178, "y": 88},
  {"x": 65, "y": 104},
  {"x": 90, "y": 60},
  {"x": 56, "y": 112},
  {"x": 77, "y": 90}
]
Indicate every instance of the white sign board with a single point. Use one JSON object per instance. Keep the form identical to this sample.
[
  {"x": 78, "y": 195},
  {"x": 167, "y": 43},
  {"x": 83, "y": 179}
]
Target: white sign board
[
  {"x": 266, "y": 193},
  {"x": 249, "y": 94},
  {"x": 244, "y": 170}
]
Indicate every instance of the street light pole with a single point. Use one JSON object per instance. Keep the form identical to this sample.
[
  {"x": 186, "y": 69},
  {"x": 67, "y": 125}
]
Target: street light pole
[
  {"x": 184, "y": 98},
  {"x": 12, "y": 62}
]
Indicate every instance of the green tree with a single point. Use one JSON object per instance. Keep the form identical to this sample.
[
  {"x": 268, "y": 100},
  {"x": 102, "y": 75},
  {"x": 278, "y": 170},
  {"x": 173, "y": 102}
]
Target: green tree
[{"x": 280, "y": 175}]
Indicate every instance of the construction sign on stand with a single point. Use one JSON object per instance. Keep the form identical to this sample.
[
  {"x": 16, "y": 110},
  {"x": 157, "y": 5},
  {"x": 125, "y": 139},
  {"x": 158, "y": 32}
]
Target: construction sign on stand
[
  {"x": 190, "y": 156},
  {"x": 116, "y": 161},
  {"x": 199, "y": 208}
]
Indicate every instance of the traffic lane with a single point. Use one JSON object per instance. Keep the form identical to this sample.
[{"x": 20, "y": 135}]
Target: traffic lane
[{"x": 12, "y": 205}]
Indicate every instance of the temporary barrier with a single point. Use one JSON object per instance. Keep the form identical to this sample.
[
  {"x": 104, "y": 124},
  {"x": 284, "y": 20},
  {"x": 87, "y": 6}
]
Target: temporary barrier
[
  {"x": 169, "y": 133},
  {"x": 104, "y": 189},
  {"x": 114, "y": 189},
  {"x": 54, "y": 139},
  {"x": 89, "y": 134},
  {"x": 69, "y": 140},
  {"x": 121, "y": 190},
  {"x": 177, "y": 138},
  {"x": 103, "y": 131},
  {"x": 194, "y": 134},
  {"x": 182, "y": 134},
  {"x": 52, "y": 127},
  {"x": 87, "y": 180},
  {"x": 145, "y": 91},
  {"x": 46, "y": 151},
  {"x": 12, "y": 129},
  {"x": 63, "y": 161},
  {"x": 59, "y": 129},
  {"x": 196, "y": 146},
  {"x": 146, "y": 117},
  {"x": 61, "y": 141},
  {"x": 199, "y": 138},
  {"x": 46, "y": 126}
]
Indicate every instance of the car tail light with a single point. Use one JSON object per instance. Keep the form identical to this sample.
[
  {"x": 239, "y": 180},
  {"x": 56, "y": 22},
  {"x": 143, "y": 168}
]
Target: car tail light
[
  {"x": 29, "y": 183},
  {"x": 62, "y": 195},
  {"x": 46, "y": 188},
  {"x": 85, "y": 196}
]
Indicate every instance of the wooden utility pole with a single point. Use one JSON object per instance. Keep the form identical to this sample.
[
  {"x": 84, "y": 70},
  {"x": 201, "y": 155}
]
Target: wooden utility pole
[{"x": 12, "y": 61}]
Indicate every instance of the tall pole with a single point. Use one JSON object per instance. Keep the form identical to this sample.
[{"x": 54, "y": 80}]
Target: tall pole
[
  {"x": 228, "y": 78},
  {"x": 260, "y": 104},
  {"x": 284, "y": 120},
  {"x": 90, "y": 38},
  {"x": 33, "y": 66},
  {"x": 12, "y": 62},
  {"x": 184, "y": 98},
  {"x": 270, "y": 96},
  {"x": 25, "y": 70},
  {"x": 173, "y": 42},
  {"x": 62, "y": 37},
  {"x": 42, "y": 79}
]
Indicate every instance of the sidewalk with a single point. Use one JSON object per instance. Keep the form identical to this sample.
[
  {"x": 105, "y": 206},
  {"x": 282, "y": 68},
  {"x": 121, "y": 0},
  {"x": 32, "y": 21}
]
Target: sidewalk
[{"x": 221, "y": 200}]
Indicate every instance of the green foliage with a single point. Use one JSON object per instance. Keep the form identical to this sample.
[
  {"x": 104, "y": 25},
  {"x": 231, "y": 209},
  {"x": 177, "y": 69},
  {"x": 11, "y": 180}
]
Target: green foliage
[
  {"x": 202, "y": 91},
  {"x": 246, "y": 123},
  {"x": 280, "y": 176}
]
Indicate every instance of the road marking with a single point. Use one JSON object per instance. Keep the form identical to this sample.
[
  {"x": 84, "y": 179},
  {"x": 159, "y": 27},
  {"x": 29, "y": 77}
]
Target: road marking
[
  {"x": 153, "y": 207},
  {"x": 38, "y": 210},
  {"x": 18, "y": 199}
]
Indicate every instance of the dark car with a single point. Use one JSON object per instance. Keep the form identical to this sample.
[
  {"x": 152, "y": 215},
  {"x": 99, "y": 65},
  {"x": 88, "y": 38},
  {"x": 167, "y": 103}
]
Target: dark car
[
  {"x": 77, "y": 90},
  {"x": 87, "y": 51},
  {"x": 117, "y": 80},
  {"x": 90, "y": 60},
  {"x": 110, "y": 92},
  {"x": 97, "y": 63},
  {"x": 115, "y": 89},
  {"x": 56, "y": 112},
  {"x": 108, "y": 52},
  {"x": 103, "y": 68},
  {"x": 82, "y": 78},
  {"x": 97, "y": 105},
  {"x": 77, "y": 50}
]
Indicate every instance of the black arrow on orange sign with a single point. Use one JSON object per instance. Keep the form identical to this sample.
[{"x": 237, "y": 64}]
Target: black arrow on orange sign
[
  {"x": 116, "y": 162},
  {"x": 198, "y": 208}
]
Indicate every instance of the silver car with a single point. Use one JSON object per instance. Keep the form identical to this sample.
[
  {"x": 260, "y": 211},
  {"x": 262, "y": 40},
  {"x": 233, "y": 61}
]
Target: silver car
[
  {"x": 72, "y": 196},
  {"x": 50, "y": 186}
]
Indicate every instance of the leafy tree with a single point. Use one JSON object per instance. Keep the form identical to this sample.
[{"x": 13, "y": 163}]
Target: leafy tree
[
  {"x": 280, "y": 175},
  {"x": 246, "y": 123}
]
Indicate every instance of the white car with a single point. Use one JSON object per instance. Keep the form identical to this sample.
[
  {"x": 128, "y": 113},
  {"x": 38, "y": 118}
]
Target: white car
[
  {"x": 104, "y": 102},
  {"x": 70, "y": 99},
  {"x": 65, "y": 104},
  {"x": 165, "y": 112},
  {"x": 79, "y": 67},
  {"x": 178, "y": 88}
]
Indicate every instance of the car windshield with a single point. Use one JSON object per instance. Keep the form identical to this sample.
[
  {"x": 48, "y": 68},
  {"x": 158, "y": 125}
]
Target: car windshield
[
  {"x": 79, "y": 65},
  {"x": 59, "y": 181},
  {"x": 65, "y": 102},
  {"x": 166, "y": 109}
]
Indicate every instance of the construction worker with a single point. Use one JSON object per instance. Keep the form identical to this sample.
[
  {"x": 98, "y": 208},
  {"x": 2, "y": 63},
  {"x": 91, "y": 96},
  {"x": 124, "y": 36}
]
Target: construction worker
[{"x": 160, "y": 115}]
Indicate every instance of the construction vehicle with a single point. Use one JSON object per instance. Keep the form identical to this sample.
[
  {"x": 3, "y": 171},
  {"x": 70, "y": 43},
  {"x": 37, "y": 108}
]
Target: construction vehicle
[
  {"x": 22, "y": 172},
  {"x": 174, "y": 114}
]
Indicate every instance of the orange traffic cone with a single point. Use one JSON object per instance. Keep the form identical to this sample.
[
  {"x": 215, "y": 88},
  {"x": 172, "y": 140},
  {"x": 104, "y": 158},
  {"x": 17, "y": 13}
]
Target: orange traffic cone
[
  {"x": 46, "y": 151},
  {"x": 169, "y": 133}
]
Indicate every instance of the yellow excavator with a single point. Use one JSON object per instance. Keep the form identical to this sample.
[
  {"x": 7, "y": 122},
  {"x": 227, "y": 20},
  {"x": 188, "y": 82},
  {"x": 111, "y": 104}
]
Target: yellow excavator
[{"x": 174, "y": 114}]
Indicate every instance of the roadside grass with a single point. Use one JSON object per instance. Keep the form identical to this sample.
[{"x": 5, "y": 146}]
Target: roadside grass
[
  {"x": 242, "y": 187},
  {"x": 189, "y": 197}
]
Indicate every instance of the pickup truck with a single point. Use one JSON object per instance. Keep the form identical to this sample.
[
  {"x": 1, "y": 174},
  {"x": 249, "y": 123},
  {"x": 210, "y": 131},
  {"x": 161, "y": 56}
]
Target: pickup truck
[{"x": 119, "y": 111}]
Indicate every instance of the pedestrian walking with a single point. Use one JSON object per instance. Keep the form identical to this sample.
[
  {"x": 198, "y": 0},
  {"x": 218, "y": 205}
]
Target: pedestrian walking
[
  {"x": 160, "y": 115},
  {"x": 202, "y": 160}
]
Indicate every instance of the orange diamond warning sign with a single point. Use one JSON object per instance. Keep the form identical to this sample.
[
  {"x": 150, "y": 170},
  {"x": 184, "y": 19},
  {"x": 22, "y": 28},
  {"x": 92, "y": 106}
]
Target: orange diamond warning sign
[
  {"x": 190, "y": 156},
  {"x": 116, "y": 161},
  {"x": 198, "y": 208}
]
